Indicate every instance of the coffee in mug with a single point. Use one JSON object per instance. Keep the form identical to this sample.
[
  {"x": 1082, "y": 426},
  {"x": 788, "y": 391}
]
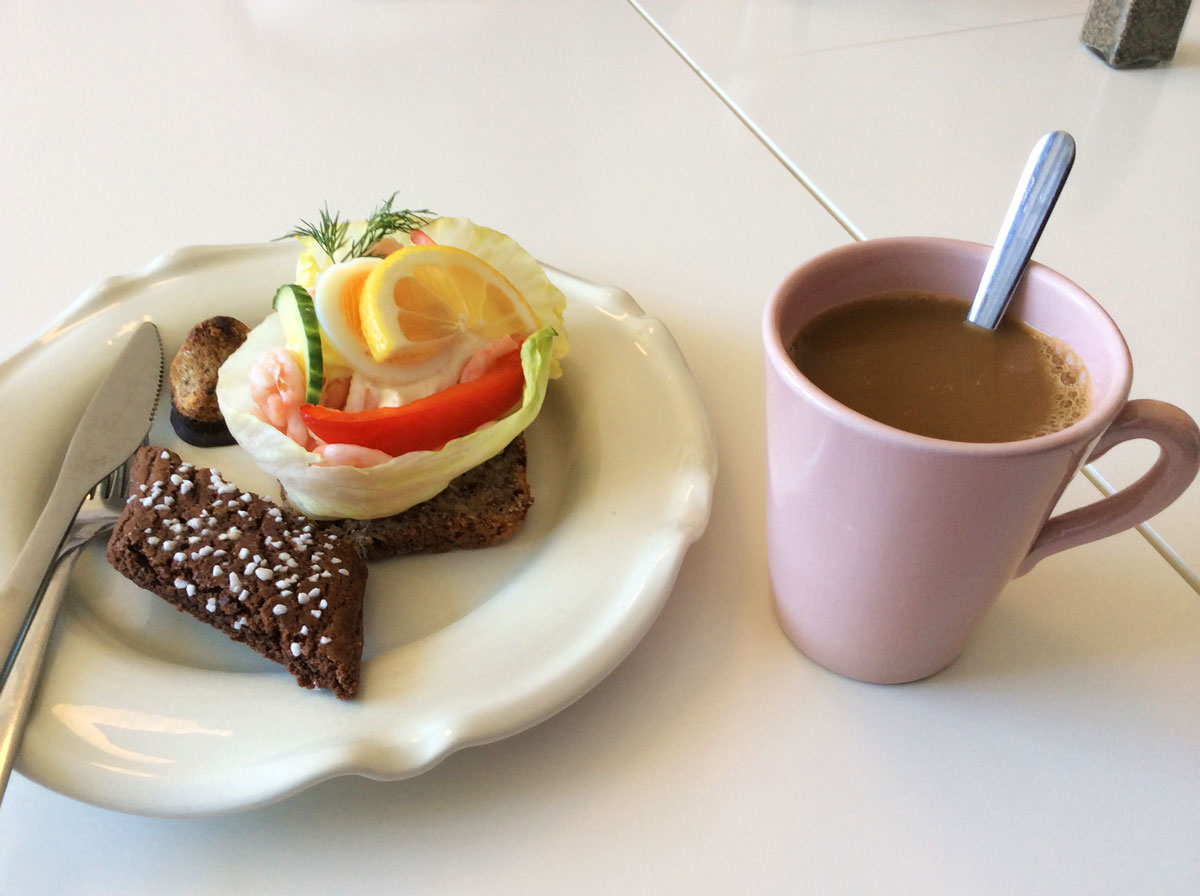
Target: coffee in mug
[{"x": 910, "y": 359}]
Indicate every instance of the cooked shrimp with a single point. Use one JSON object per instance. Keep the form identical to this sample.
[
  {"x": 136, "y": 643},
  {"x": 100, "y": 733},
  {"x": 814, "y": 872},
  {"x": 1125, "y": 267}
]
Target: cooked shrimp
[
  {"x": 385, "y": 246},
  {"x": 277, "y": 387},
  {"x": 478, "y": 364},
  {"x": 359, "y": 396},
  {"x": 342, "y": 455},
  {"x": 335, "y": 392},
  {"x": 390, "y": 244}
]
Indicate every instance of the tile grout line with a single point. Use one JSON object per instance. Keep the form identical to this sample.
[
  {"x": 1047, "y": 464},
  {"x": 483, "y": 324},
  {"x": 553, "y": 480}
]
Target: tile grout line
[
  {"x": 1157, "y": 542},
  {"x": 754, "y": 129},
  {"x": 838, "y": 48},
  {"x": 1172, "y": 558}
]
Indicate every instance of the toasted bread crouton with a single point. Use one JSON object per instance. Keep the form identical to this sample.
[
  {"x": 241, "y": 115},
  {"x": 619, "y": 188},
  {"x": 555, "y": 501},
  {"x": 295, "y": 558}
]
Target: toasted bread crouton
[{"x": 195, "y": 414}]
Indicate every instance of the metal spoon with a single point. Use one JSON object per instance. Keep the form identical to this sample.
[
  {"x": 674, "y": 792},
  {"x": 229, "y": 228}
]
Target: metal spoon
[{"x": 1043, "y": 179}]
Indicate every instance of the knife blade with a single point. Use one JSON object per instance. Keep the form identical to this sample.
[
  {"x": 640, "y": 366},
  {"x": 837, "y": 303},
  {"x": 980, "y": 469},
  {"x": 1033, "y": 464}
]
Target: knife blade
[{"x": 112, "y": 426}]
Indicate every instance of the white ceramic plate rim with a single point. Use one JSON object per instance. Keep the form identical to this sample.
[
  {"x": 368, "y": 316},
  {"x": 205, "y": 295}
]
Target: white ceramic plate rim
[{"x": 137, "y": 732}]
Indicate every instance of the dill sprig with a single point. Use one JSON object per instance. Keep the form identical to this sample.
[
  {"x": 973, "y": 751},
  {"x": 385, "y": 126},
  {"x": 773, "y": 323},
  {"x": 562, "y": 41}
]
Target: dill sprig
[
  {"x": 329, "y": 233},
  {"x": 383, "y": 221}
]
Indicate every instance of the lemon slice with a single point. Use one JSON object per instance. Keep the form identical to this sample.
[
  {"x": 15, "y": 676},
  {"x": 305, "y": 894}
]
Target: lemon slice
[{"x": 419, "y": 299}]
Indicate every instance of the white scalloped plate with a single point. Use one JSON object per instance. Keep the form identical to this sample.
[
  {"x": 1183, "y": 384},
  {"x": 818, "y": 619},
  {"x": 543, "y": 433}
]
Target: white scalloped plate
[{"x": 143, "y": 709}]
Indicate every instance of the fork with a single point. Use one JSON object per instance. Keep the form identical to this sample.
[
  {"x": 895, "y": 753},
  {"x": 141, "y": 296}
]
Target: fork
[{"x": 96, "y": 517}]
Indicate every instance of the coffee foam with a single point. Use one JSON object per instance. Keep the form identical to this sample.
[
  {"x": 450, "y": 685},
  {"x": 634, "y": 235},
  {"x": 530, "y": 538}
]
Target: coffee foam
[{"x": 1073, "y": 398}]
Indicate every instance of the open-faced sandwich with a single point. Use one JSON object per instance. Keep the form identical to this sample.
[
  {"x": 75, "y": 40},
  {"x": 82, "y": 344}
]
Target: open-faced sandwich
[
  {"x": 388, "y": 392},
  {"x": 409, "y": 351}
]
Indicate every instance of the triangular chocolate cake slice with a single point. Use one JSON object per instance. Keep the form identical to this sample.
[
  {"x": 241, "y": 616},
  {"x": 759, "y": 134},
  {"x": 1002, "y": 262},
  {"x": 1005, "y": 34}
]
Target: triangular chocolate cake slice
[{"x": 263, "y": 575}]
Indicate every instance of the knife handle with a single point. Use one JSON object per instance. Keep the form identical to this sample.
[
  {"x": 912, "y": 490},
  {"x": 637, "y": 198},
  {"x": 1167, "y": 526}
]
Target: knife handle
[
  {"x": 22, "y": 590},
  {"x": 108, "y": 432}
]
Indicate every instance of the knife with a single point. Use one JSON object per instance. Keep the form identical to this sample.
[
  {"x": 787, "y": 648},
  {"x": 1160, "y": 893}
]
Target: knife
[{"x": 111, "y": 428}]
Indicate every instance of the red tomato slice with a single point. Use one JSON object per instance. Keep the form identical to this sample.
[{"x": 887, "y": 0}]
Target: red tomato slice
[{"x": 427, "y": 423}]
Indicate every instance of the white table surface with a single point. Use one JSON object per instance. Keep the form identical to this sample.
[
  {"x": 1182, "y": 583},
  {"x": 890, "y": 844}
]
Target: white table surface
[
  {"x": 1059, "y": 755},
  {"x": 917, "y": 118}
]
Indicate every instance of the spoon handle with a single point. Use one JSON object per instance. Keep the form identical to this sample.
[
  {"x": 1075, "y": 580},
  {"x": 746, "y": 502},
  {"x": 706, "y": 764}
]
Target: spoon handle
[{"x": 1043, "y": 179}]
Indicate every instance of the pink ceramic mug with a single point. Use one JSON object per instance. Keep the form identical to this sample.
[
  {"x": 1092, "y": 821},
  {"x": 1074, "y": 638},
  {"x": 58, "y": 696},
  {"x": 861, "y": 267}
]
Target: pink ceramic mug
[{"x": 886, "y": 548}]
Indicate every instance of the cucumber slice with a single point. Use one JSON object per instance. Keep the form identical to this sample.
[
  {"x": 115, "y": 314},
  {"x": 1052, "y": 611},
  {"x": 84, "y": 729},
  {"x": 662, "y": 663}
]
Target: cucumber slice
[{"x": 303, "y": 334}]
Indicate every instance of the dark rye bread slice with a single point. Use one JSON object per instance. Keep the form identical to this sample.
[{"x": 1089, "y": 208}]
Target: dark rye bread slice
[
  {"x": 195, "y": 414},
  {"x": 484, "y": 506},
  {"x": 262, "y": 575}
]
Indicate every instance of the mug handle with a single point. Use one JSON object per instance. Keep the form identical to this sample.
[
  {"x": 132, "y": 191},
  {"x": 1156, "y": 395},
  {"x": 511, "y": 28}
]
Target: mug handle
[{"x": 1178, "y": 440}]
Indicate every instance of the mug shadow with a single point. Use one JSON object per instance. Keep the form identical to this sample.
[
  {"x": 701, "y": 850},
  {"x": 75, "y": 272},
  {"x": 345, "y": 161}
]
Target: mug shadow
[{"x": 1075, "y": 613}]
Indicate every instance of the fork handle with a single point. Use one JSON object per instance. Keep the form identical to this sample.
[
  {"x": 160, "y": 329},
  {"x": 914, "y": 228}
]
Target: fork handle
[
  {"x": 19, "y": 593},
  {"x": 16, "y": 697}
]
